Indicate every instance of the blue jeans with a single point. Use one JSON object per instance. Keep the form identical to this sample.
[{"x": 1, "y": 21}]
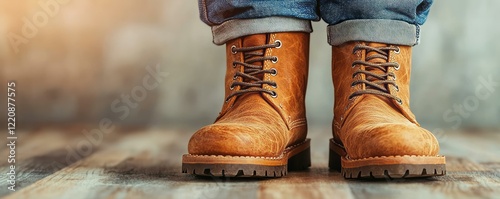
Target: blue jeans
[{"x": 386, "y": 21}]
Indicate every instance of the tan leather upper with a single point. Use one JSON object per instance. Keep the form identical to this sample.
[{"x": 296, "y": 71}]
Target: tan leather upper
[
  {"x": 372, "y": 125},
  {"x": 257, "y": 124}
]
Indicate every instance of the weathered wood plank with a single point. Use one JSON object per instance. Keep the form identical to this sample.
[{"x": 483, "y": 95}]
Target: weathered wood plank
[
  {"x": 76, "y": 180},
  {"x": 47, "y": 150},
  {"x": 37, "y": 157},
  {"x": 317, "y": 182}
]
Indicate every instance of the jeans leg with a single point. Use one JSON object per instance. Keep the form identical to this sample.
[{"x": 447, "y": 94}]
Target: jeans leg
[
  {"x": 385, "y": 21},
  {"x": 231, "y": 19}
]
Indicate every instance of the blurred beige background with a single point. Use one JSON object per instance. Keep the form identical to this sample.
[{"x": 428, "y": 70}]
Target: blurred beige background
[{"x": 79, "y": 57}]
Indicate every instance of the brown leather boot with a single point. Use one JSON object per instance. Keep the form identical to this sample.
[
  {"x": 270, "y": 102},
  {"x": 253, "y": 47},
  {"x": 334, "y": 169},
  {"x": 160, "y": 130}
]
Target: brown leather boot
[
  {"x": 374, "y": 132},
  {"x": 261, "y": 130}
]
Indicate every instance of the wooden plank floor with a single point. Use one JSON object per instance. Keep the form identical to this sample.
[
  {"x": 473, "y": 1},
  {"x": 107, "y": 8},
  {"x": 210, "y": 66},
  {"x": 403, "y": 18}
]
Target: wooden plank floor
[{"x": 145, "y": 163}]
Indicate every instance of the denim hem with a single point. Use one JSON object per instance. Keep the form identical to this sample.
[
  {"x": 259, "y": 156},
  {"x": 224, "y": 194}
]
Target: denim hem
[
  {"x": 374, "y": 30},
  {"x": 236, "y": 28}
]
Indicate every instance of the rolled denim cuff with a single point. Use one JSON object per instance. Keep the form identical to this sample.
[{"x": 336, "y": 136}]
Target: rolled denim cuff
[
  {"x": 235, "y": 28},
  {"x": 374, "y": 30}
]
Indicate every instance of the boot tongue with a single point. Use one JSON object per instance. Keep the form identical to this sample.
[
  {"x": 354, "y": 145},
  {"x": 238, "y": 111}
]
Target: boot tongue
[
  {"x": 372, "y": 57},
  {"x": 250, "y": 41},
  {"x": 255, "y": 40},
  {"x": 375, "y": 53},
  {"x": 376, "y": 61}
]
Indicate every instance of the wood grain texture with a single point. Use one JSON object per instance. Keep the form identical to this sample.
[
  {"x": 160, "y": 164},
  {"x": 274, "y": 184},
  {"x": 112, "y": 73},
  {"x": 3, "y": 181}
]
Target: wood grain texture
[{"x": 146, "y": 164}]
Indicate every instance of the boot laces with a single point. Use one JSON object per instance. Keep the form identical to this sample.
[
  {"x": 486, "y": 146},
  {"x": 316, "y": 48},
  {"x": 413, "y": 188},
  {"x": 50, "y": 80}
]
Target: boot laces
[
  {"x": 377, "y": 76},
  {"x": 252, "y": 77}
]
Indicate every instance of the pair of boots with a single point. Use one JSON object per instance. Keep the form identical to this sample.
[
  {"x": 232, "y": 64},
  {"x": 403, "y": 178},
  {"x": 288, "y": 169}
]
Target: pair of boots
[{"x": 261, "y": 130}]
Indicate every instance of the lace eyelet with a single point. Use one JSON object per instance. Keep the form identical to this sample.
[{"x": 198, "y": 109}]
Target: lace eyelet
[
  {"x": 233, "y": 49},
  {"x": 274, "y": 94},
  {"x": 279, "y": 43},
  {"x": 274, "y": 72},
  {"x": 398, "y": 50},
  {"x": 235, "y": 77},
  {"x": 231, "y": 87},
  {"x": 397, "y": 67},
  {"x": 355, "y": 49},
  {"x": 400, "y": 102},
  {"x": 275, "y": 85},
  {"x": 234, "y": 65},
  {"x": 397, "y": 88},
  {"x": 274, "y": 60}
]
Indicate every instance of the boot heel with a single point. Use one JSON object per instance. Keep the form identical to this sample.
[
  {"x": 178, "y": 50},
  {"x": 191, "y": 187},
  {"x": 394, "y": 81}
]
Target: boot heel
[
  {"x": 334, "y": 161},
  {"x": 301, "y": 161}
]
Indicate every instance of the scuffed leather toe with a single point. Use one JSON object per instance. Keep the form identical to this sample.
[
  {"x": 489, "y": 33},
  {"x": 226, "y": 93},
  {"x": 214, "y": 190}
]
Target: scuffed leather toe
[
  {"x": 235, "y": 139},
  {"x": 392, "y": 140}
]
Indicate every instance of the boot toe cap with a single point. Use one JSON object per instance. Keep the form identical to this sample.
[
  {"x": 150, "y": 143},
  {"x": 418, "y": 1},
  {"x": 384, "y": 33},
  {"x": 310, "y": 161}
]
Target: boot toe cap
[
  {"x": 393, "y": 140},
  {"x": 236, "y": 139}
]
